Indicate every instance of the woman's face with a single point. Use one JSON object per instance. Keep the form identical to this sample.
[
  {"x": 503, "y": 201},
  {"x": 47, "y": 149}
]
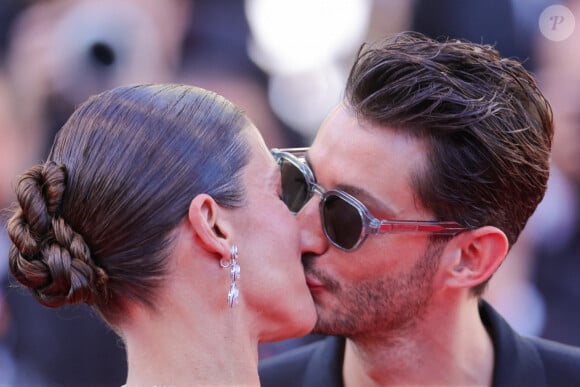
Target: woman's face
[{"x": 272, "y": 282}]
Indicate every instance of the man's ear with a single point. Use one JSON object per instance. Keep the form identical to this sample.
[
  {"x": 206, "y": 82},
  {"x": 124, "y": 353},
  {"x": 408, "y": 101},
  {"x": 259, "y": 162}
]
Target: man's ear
[
  {"x": 209, "y": 226},
  {"x": 474, "y": 256}
]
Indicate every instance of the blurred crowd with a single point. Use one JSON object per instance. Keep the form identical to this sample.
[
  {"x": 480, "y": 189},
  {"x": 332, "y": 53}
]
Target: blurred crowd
[{"x": 284, "y": 63}]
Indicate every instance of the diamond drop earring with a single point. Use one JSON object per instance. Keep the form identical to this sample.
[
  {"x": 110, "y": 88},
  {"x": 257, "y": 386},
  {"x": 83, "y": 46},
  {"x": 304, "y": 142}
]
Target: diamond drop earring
[{"x": 232, "y": 263}]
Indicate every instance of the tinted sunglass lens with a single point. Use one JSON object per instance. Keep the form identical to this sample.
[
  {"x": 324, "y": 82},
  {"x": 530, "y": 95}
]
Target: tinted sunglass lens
[
  {"x": 342, "y": 221},
  {"x": 294, "y": 187}
]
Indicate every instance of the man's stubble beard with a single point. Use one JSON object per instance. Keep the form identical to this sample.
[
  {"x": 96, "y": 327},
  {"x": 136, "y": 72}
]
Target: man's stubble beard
[{"x": 383, "y": 305}]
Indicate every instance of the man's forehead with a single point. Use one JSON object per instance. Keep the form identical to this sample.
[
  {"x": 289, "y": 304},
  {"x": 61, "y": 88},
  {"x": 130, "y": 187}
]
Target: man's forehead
[{"x": 352, "y": 155}]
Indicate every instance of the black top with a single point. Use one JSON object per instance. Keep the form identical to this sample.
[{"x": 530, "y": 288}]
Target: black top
[{"x": 519, "y": 360}]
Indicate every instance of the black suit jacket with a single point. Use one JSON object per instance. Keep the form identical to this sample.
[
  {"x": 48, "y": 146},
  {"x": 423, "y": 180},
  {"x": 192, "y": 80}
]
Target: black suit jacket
[{"x": 519, "y": 361}]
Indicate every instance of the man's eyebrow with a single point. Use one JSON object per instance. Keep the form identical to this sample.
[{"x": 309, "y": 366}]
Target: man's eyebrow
[
  {"x": 361, "y": 194},
  {"x": 374, "y": 204}
]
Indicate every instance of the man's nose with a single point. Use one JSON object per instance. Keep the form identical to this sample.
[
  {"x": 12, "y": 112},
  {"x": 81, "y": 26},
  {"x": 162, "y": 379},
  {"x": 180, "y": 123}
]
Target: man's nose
[{"x": 311, "y": 233}]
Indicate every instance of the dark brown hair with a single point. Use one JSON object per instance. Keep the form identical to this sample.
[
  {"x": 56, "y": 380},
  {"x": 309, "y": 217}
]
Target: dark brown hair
[
  {"x": 94, "y": 222},
  {"x": 487, "y": 126}
]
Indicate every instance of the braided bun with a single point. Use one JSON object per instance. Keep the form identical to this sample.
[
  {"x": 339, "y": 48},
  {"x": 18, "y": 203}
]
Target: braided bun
[{"x": 47, "y": 255}]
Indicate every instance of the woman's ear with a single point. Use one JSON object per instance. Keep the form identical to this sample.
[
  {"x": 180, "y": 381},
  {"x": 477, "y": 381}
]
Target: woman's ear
[
  {"x": 475, "y": 256},
  {"x": 210, "y": 229}
]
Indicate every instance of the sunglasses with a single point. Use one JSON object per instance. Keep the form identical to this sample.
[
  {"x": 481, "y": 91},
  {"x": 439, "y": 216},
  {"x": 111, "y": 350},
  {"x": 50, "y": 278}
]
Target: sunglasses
[{"x": 346, "y": 222}]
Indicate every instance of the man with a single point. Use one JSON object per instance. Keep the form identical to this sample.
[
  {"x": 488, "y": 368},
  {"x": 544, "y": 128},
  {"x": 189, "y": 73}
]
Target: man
[{"x": 410, "y": 197}]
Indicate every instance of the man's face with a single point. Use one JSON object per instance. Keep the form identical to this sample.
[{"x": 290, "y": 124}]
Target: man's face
[{"x": 385, "y": 285}]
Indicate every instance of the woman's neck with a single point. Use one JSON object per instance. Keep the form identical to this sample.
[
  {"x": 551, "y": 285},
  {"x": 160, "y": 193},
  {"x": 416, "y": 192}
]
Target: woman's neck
[{"x": 209, "y": 350}]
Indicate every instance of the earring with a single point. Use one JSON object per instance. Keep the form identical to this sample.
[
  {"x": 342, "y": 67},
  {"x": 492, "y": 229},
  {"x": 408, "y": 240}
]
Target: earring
[{"x": 232, "y": 263}]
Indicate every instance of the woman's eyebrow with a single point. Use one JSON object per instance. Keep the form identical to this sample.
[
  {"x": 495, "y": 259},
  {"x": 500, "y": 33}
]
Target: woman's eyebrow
[{"x": 274, "y": 178}]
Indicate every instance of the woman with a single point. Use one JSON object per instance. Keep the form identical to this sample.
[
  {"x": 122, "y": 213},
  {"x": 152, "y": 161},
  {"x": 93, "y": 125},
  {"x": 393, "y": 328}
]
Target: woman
[{"x": 160, "y": 206}]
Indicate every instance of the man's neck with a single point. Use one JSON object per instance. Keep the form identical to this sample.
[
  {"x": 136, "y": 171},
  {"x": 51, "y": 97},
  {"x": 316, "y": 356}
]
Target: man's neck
[{"x": 452, "y": 350}]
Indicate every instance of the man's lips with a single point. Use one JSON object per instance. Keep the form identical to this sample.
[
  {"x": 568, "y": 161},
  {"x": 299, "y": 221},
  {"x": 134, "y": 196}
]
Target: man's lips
[{"x": 313, "y": 283}]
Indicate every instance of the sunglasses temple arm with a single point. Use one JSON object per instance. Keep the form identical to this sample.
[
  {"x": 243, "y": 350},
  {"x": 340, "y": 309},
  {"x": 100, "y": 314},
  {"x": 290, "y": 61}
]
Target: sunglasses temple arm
[{"x": 447, "y": 228}]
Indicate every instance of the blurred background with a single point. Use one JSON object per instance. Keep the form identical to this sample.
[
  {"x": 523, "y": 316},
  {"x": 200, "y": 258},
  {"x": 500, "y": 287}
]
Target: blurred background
[{"x": 285, "y": 63}]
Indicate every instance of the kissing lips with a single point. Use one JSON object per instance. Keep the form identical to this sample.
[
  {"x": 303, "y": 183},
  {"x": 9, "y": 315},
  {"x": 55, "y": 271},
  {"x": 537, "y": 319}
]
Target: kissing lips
[{"x": 313, "y": 284}]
